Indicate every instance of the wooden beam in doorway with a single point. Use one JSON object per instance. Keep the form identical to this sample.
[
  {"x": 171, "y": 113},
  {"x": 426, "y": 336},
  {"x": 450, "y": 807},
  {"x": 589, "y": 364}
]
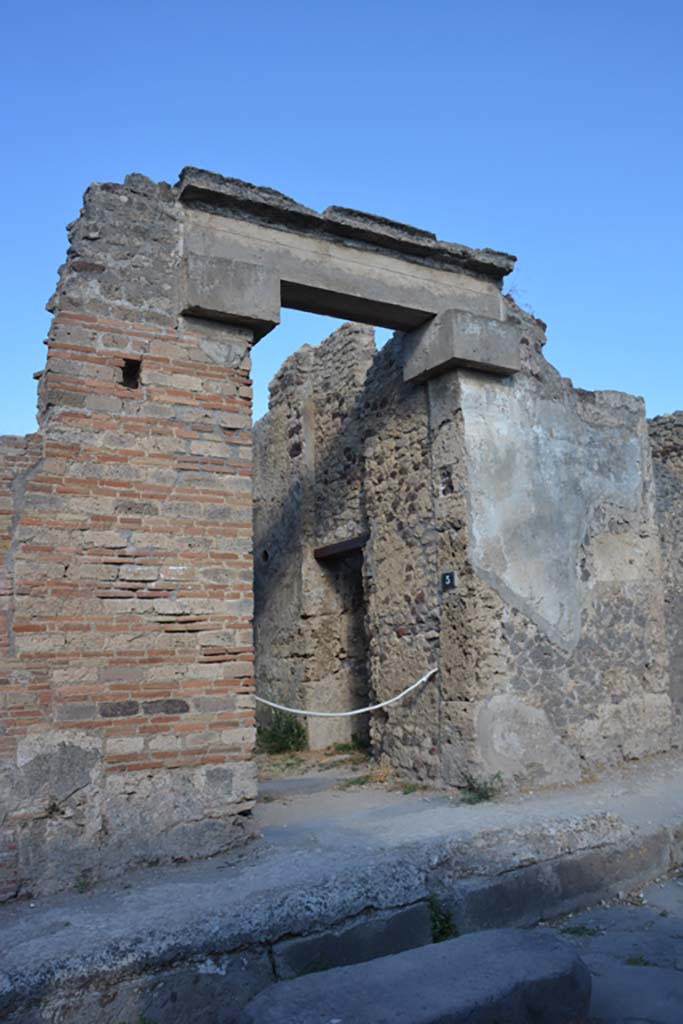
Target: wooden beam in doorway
[{"x": 342, "y": 547}]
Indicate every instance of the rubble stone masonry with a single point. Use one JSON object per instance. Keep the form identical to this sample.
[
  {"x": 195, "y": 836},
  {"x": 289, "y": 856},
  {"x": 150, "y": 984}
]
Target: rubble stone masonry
[{"x": 666, "y": 436}]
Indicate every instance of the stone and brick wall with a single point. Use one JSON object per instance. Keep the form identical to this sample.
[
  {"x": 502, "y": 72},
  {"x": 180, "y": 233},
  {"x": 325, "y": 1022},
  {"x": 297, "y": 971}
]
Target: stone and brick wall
[
  {"x": 539, "y": 498},
  {"x": 666, "y": 438},
  {"x": 127, "y": 717},
  {"x": 24, "y": 694},
  {"x": 126, "y": 690}
]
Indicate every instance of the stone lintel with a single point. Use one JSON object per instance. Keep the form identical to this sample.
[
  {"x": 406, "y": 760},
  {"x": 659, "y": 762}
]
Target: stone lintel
[
  {"x": 231, "y": 196},
  {"x": 232, "y": 291},
  {"x": 361, "y": 309},
  {"x": 458, "y": 338}
]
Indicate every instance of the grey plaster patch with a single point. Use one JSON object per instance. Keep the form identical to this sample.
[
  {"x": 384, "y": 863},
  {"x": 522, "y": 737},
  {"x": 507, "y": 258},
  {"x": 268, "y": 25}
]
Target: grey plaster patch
[
  {"x": 518, "y": 740},
  {"x": 538, "y": 471}
]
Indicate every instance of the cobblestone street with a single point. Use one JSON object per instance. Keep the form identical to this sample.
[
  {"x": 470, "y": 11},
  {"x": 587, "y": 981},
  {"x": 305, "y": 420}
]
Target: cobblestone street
[{"x": 635, "y": 956}]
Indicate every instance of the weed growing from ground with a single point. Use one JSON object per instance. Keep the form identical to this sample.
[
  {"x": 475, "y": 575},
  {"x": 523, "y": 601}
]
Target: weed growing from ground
[
  {"x": 342, "y": 748},
  {"x": 477, "y": 790},
  {"x": 580, "y": 929},
  {"x": 442, "y": 922},
  {"x": 285, "y": 732},
  {"x": 354, "y": 746},
  {"x": 355, "y": 780},
  {"x": 638, "y": 961}
]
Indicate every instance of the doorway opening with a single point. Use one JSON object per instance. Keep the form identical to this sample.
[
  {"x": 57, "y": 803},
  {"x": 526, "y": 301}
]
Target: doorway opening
[
  {"x": 312, "y": 629},
  {"x": 343, "y": 682}
]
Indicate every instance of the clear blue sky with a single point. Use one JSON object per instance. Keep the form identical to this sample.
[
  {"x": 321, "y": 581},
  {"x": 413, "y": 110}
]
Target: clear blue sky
[{"x": 551, "y": 130}]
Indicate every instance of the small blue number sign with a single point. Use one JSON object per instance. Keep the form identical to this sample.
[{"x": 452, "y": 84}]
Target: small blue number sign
[{"x": 448, "y": 581}]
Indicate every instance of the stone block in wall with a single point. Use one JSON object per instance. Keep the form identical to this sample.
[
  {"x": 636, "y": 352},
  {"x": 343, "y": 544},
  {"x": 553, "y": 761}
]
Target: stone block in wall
[
  {"x": 456, "y": 338},
  {"x": 216, "y": 288}
]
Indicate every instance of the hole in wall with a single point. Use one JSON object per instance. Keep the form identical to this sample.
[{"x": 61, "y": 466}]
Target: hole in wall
[{"x": 130, "y": 374}]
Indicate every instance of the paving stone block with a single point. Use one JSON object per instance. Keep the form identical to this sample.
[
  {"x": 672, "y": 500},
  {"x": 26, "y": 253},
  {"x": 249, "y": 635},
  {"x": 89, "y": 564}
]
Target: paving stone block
[{"x": 509, "y": 976}]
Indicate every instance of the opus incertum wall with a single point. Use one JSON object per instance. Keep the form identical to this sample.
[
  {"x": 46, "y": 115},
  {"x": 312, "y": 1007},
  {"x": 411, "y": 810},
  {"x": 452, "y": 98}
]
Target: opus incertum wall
[{"x": 126, "y": 697}]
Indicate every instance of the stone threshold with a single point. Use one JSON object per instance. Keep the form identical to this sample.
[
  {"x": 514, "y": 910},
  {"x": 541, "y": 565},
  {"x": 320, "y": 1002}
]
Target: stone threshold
[{"x": 338, "y": 876}]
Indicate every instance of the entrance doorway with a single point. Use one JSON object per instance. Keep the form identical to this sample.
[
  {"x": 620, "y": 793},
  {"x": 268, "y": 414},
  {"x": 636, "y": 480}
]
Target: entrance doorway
[
  {"x": 311, "y": 621},
  {"x": 341, "y": 640}
]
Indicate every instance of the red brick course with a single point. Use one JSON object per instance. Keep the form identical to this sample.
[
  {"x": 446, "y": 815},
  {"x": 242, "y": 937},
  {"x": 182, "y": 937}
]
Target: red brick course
[{"x": 126, "y": 592}]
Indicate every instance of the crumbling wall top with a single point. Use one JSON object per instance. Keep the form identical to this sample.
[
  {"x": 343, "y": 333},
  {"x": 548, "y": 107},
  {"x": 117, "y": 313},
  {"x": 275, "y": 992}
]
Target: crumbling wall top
[{"x": 242, "y": 199}]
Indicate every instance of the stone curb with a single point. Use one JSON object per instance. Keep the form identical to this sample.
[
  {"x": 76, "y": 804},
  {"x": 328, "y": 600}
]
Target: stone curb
[
  {"x": 147, "y": 953},
  {"x": 547, "y": 889}
]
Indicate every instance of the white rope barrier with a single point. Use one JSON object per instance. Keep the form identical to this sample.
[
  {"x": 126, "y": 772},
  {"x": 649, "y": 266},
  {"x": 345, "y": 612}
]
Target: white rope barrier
[{"x": 347, "y": 714}]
